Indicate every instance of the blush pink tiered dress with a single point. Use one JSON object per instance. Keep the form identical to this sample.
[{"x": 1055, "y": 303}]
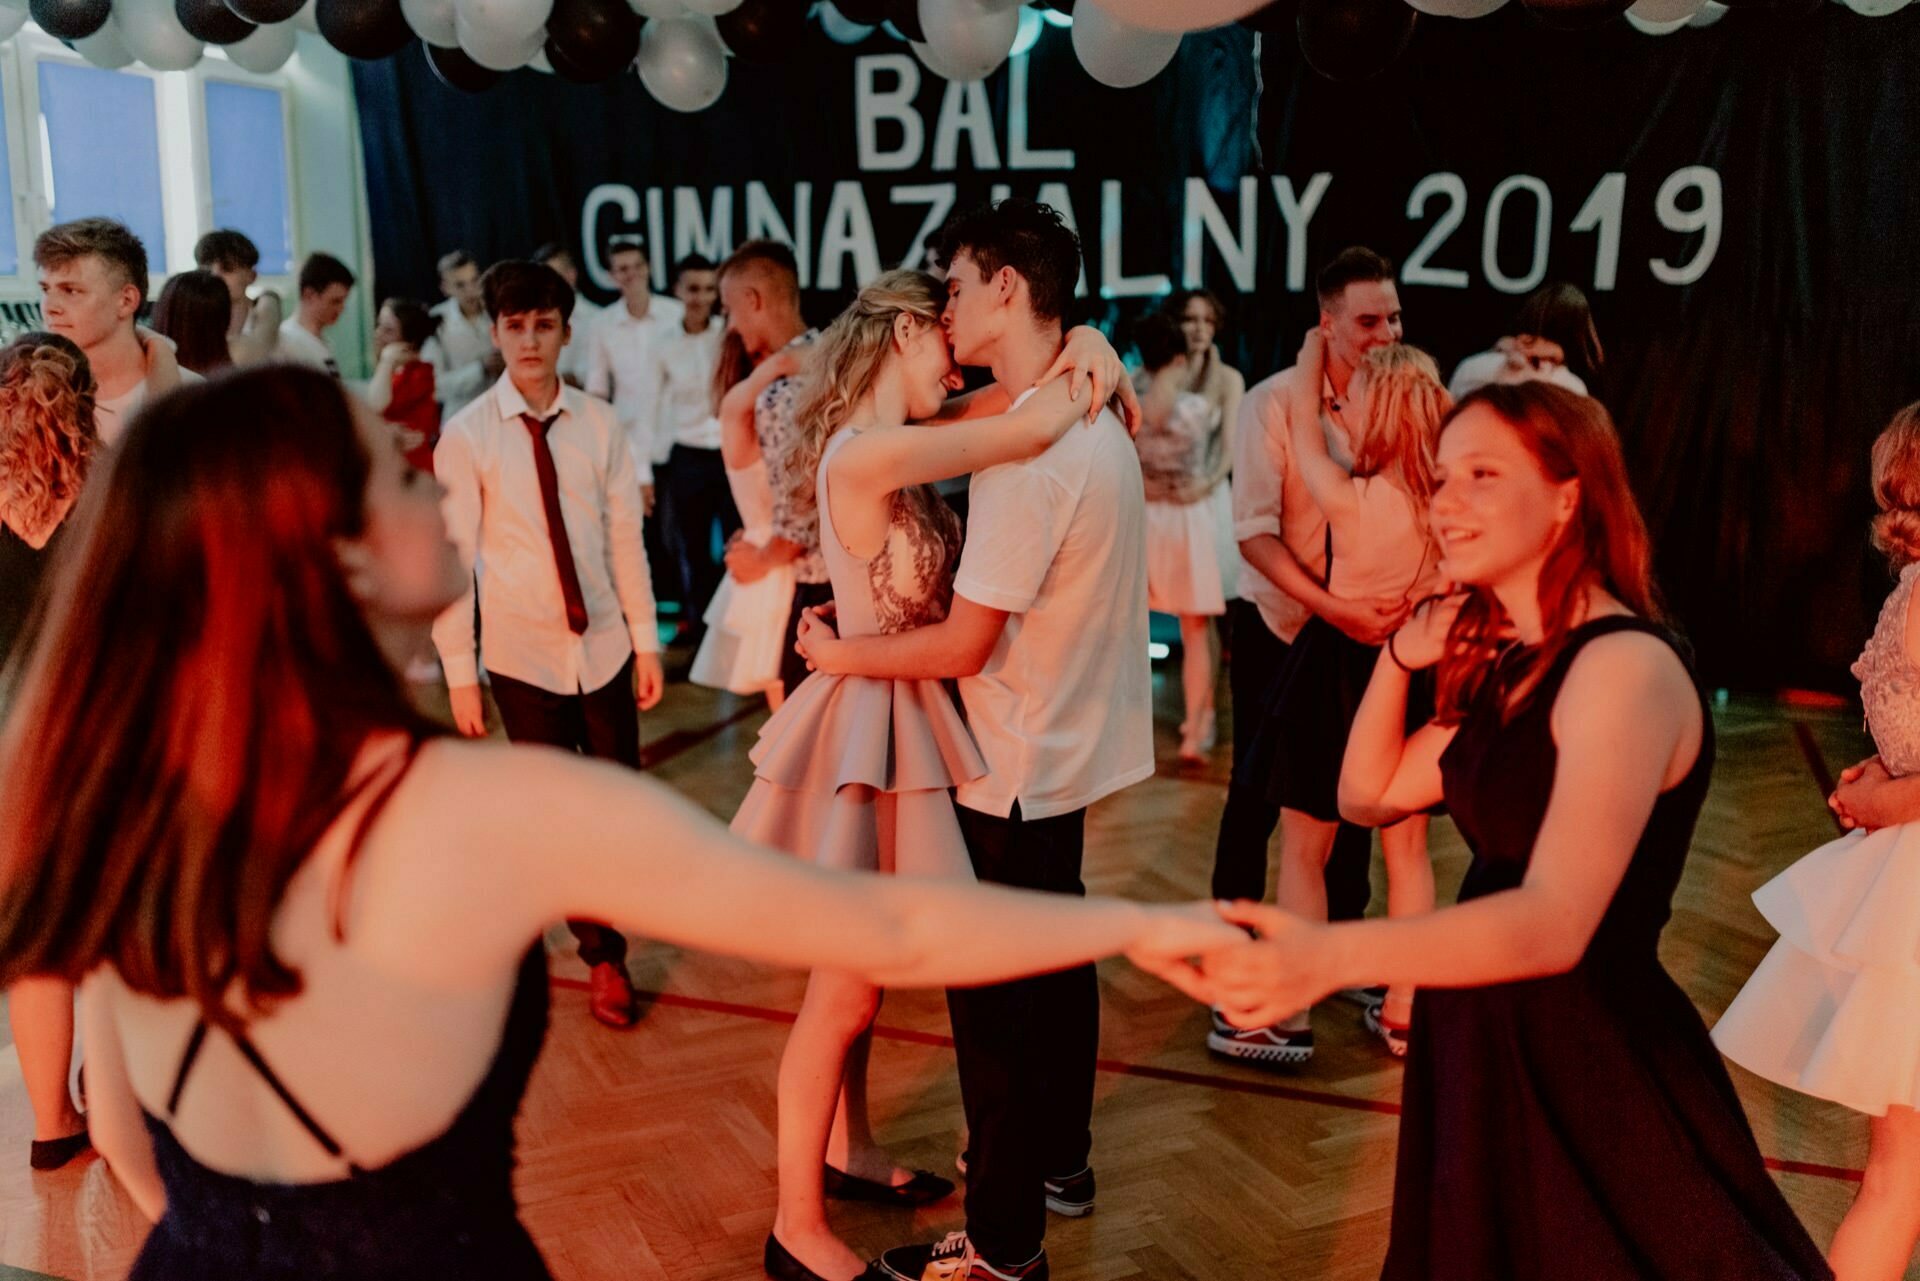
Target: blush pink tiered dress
[{"x": 854, "y": 772}]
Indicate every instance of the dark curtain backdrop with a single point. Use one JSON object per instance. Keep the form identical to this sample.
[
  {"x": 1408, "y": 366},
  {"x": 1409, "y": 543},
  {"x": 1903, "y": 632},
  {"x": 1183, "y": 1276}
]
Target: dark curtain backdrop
[{"x": 1747, "y": 399}]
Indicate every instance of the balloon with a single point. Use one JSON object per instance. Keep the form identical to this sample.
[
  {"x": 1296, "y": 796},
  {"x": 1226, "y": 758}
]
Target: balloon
[
  {"x": 1575, "y": 15},
  {"x": 841, "y": 29},
  {"x": 499, "y": 22},
  {"x": 968, "y": 41},
  {"x": 713, "y": 8},
  {"x": 1118, "y": 54},
  {"x": 1648, "y": 27},
  {"x": 11, "y": 20},
  {"x": 363, "y": 28},
  {"x": 592, "y": 40},
  {"x": 1661, "y": 12},
  {"x": 432, "y": 21},
  {"x": 1710, "y": 12},
  {"x": 1458, "y": 8},
  {"x": 105, "y": 47},
  {"x": 1178, "y": 15},
  {"x": 306, "y": 19},
  {"x": 70, "y": 19},
  {"x": 1875, "y": 8},
  {"x": 658, "y": 8},
  {"x": 212, "y": 21},
  {"x": 492, "y": 50},
  {"x": 682, "y": 63},
  {"x": 264, "y": 12},
  {"x": 267, "y": 49},
  {"x": 764, "y": 32},
  {"x": 454, "y": 69},
  {"x": 868, "y": 13},
  {"x": 905, "y": 16},
  {"x": 155, "y": 36},
  {"x": 1353, "y": 39}
]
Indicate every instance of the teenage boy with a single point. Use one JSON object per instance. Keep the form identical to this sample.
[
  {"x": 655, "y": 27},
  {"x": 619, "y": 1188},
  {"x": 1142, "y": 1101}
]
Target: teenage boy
[
  {"x": 573, "y": 361},
  {"x": 325, "y": 282},
  {"x": 542, "y": 500},
  {"x": 461, "y": 350},
  {"x": 254, "y": 327}
]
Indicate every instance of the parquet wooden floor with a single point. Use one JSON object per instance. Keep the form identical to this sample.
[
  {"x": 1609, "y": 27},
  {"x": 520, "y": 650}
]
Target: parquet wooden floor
[{"x": 648, "y": 1156}]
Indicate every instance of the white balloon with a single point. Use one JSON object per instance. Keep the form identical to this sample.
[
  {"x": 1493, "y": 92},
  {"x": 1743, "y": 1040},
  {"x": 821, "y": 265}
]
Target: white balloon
[
  {"x": 12, "y": 19},
  {"x": 539, "y": 62},
  {"x": 1118, "y": 53},
  {"x": 305, "y": 19},
  {"x": 1660, "y": 12},
  {"x": 105, "y": 47},
  {"x": 682, "y": 63},
  {"x": 432, "y": 21},
  {"x": 1457, "y": 8},
  {"x": 494, "y": 51},
  {"x": 266, "y": 49},
  {"x": 1649, "y": 27},
  {"x": 503, "y": 22},
  {"x": 712, "y": 8},
  {"x": 1710, "y": 12},
  {"x": 841, "y": 29},
  {"x": 1875, "y": 8},
  {"x": 968, "y": 41},
  {"x": 658, "y": 8},
  {"x": 155, "y": 36},
  {"x": 1178, "y": 15}
]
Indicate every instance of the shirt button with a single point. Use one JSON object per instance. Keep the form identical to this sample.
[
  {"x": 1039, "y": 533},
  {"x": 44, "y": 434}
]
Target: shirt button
[{"x": 261, "y": 1213}]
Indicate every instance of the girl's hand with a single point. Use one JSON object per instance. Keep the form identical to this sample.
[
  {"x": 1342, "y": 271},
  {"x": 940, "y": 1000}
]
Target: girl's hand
[
  {"x": 1173, "y": 937},
  {"x": 1086, "y": 356},
  {"x": 1422, "y": 640},
  {"x": 817, "y": 642},
  {"x": 1055, "y": 408},
  {"x": 1280, "y": 971},
  {"x": 1313, "y": 349}
]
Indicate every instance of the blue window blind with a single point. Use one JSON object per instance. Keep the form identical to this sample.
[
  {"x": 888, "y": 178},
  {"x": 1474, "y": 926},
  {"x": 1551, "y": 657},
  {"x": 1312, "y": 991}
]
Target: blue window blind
[
  {"x": 9, "y": 242},
  {"x": 247, "y": 169},
  {"x": 103, "y": 147}
]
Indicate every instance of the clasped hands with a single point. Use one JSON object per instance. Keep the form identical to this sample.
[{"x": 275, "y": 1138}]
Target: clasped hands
[{"x": 1255, "y": 963}]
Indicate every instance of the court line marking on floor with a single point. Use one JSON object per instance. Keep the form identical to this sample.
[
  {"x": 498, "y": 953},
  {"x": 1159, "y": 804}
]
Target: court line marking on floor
[
  {"x": 1119, "y": 1067},
  {"x": 1817, "y": 765}
]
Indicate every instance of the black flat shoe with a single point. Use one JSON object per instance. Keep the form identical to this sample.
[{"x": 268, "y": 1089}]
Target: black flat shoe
[
  {"x": 782, "y": 1266},
  {"x": 51, "y": 1154},
  {"x": 924, "y": 1188}
]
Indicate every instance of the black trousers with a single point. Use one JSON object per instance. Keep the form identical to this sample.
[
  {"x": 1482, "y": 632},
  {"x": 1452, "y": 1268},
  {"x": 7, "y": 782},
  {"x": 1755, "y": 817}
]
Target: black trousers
[
  {"x": 604, "y": 723},
  {"x": 693, "y": 486},
  {"x": 793, "y": 668},
  {"x": 1026, "y": 1049},
  {"x": 661, "y": 540},
  {"x": 1249, "y": 820}
]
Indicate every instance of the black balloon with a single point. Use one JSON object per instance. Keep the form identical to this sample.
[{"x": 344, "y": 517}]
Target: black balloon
[
  {"x": 1276, "y": 19},
  {"x": 1575, "y": 15},
  {"x": 592, "y": 40},
  {"x": 1058, "y": 6},
  {"x": 905, "y": 16},
  {"x": 454, "y": 69},
  {"x": 868, "y": 13},
  {"x": 764, "y": 32},
  {"x": 264, "y": 12},
  {"x": 1354, "y": 39},
  {"x": 363, "y": 28},
  {"x": 70, "y": 19},
  {"x": 212, "y": 21}
]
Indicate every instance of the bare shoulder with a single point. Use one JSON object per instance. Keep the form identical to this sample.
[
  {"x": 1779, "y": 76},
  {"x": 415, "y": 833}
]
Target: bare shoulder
[{"x": 1632, "y": 677}]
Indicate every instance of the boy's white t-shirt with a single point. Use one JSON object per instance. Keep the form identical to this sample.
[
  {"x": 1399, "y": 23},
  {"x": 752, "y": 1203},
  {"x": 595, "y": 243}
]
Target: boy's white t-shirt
[{"x": 1062, "y": 711}]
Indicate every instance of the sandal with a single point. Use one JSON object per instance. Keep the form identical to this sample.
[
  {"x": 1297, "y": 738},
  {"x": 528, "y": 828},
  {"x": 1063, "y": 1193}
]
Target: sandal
[
  {"x": 51, "y": 1154},
  {"x": 1393, "y": 1034}
]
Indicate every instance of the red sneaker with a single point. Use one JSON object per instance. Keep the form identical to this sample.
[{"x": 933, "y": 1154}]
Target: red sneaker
[{"x": 610, "y": 996}]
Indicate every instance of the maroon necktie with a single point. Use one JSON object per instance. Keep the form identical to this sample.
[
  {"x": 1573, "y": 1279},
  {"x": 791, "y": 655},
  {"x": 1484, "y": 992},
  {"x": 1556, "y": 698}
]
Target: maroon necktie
[{"x": 556, "y": 525}]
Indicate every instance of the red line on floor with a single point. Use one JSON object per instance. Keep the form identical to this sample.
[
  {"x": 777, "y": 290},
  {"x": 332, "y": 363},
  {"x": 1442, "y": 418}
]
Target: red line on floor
[
  {"x": 1817, "y": 764},
  {"x": 1118, "y": 1067}
]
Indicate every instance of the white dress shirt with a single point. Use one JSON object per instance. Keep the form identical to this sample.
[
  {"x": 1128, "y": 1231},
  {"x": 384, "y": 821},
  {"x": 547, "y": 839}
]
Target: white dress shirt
[
  {"x": 684, "y": 365},
  {"x": 301, "y": 346},
  {"x": 457, "y": 353},
  {"x": 573, "y": 356},
  {"x": 620, "y": 368},
  {"x": 496, "y": 517}
]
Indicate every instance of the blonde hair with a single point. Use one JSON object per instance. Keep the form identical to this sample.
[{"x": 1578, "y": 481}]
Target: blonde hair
[
  {"x": 47, "y": 433},
  {"x": 844, "y": 362},
  {"x": 1406, "y": 403},
  {"x": 1896, "y": 488}
]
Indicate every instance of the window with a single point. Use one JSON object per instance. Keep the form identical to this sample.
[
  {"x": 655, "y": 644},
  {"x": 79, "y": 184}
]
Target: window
[
  {"x": 247, "y": 168},
  {"x": 87, "y": 114}
]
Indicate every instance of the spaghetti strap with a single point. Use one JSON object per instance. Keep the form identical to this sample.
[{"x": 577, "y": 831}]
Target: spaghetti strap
[
  {"x": 300, "y": 1114},
  {"x": 194, "y": 1042},
  {"x": 383, "y": 787}
]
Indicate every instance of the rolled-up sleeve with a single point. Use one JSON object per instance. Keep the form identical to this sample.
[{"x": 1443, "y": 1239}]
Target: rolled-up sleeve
[{"x": 1260, "y": 454}]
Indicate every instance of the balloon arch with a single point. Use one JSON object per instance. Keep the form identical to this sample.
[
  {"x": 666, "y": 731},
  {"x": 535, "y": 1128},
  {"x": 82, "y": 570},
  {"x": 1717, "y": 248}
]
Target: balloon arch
[{"x": 681, "y": 48}]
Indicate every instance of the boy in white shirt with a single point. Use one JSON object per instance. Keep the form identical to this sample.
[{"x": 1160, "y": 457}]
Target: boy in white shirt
[{"x": 325, "y": 283}]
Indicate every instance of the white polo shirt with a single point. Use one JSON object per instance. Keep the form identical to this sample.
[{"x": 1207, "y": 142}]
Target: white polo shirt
[{"x": 1062, "y": 710}]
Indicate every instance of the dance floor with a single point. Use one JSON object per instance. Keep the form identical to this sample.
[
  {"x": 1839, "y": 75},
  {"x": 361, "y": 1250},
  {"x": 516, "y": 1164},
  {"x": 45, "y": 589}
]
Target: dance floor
[{"x": 648, "y": 1155}]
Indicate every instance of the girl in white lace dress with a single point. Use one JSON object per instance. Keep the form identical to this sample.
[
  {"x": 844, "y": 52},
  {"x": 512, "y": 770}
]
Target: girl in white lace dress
[{"x": 1834, "y": 1009}]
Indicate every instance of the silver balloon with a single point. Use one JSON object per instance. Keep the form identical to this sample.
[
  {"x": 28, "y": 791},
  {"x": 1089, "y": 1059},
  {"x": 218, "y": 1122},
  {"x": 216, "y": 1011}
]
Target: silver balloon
[
  {"x": 1651, "y": 27},
  {"x": 13, "y": 17},
  {"x": 658, "y": 8},
  {"x": 495, "y": 51},
  {"x": 1659, "y": 13},
  {"x": 503, "y": 22},
  {"x": 539, "y": 63},
  {"x": 712, "y": 8},
  {"x": 432, "y": 21},
  {"x": 968, "y": 41},
  {"x": 155, "y": 36},
  {"x": 266, "y": 49},
  {"x": 683, "y": 63},
  {"x": 105, "y": 47},
  {"x": 1457, "y": 8},
  {"x": 1178, "y": 15},
  {"x": 841, "y": 29},
  {"x": 1710, "y": 12},
  {"x": 305, "y": 19},
  {"x": 1875, "y": 8},
  {"x": 1118, "y": 53}
]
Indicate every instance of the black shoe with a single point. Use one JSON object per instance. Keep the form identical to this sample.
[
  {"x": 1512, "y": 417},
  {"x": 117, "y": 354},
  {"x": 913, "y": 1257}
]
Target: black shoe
[
  {"x": 782, "y": 1266},
  {"x": 1071, "y": 1195},
  {"x": 51, "y": 1154},
  {"x": 924, "y": 1188},
  {"x": 953, "y": 1259},
  {"x": 1267, "y": 1047}
]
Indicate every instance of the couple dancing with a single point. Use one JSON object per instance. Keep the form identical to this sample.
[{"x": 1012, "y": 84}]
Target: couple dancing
[{"x": 870, "y": 764}]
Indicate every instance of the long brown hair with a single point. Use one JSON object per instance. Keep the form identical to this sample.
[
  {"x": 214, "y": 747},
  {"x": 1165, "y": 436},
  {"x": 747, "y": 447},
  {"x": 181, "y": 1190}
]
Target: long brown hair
[
  {"x": 1604, "y": 544},
  {"x": 202, "y": 684},
  {"x": 47, "y": 433}
]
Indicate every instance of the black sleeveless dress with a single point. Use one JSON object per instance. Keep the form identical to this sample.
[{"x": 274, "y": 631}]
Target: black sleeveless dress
[
  {"x": 1580, "y": 1126},
  {"x": 443, "y": 1209}
]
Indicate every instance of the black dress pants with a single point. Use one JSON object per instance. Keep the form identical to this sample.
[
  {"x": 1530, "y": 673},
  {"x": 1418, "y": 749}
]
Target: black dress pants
[
  {"x": 696, "y": 498},
  {"x": 793, "y": 668}
]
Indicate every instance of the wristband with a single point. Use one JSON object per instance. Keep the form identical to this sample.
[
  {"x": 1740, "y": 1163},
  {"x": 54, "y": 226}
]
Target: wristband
[{"x": 1395, "y": 656}]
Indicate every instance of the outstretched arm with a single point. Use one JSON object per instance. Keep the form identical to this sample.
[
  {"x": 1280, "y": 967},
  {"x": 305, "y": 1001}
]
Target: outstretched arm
[{"x": 884, "y": 459}]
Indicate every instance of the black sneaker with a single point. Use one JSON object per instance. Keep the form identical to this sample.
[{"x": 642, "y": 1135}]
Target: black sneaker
[
  {"x": 1071, "y": 1195},
  {"x": 1274, "y": 1047},
  {"x": 953, "y": 1259},
  {"x": 1364, "y": 996}
]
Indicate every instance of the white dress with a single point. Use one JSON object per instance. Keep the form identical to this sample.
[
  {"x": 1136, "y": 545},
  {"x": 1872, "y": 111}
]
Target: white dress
[
  {"x": 747, "y": 622},
  {"x": 1834, "y": 1008},
  {"x": 1193, "y": 561}
]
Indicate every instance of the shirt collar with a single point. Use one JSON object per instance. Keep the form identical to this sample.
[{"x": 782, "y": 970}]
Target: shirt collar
[{"x": 511, "y": 404}]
